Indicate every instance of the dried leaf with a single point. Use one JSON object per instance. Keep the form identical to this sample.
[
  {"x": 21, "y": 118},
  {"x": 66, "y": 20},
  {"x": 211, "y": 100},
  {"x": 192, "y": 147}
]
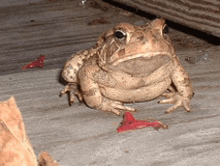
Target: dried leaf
[{"x": 15, "y": 148}]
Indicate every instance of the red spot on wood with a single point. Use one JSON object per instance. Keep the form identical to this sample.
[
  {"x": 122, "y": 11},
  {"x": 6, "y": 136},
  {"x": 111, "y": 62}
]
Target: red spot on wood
[
  {"x": 130, "y": 123},
  {"x": 37, "y": 63}
]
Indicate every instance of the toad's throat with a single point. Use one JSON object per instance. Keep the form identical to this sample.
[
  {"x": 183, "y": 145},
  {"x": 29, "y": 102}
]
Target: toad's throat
[{"x": 146, "y": 55}]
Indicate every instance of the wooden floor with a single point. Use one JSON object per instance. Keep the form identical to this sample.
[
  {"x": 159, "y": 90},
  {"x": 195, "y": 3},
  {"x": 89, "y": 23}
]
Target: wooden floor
[{"x": 78, "y": 135}]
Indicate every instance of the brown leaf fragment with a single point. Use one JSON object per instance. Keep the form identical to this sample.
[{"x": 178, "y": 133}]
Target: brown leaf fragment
[{"x": 15, "y": 148}]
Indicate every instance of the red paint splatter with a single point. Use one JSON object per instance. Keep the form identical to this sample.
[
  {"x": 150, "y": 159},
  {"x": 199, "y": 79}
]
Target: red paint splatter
[
  {"x": 37, "y": 63},
  {"x": 130, "y": 123}
]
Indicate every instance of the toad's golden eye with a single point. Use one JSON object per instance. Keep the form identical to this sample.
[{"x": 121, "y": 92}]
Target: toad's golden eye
[
  {"x": 165, "y": 29},
  {"x": 119, "y": 34}
]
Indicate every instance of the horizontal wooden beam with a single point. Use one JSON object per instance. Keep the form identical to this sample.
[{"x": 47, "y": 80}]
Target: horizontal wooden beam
[{"x": 203, "y": 15}]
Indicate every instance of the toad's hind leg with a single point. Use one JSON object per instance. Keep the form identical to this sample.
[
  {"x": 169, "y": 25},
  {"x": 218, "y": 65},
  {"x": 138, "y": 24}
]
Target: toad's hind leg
[
  {"x": 92, "y": 95},
  {"x": 184, "y": 93},
  {"x": 94, "y": 99}
]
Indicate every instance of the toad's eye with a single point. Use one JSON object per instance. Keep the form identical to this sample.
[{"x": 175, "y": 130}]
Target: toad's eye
[
  {"x": 165, "y": 29},
  {"x": 120, "y": 34}
]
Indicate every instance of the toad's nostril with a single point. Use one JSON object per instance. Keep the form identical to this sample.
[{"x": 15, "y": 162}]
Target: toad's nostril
[{"x": 140, "y": 38}]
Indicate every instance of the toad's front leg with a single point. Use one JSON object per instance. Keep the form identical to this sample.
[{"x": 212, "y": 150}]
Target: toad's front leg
[
  {"x": 184, "y": 93},
  {"x": 92, "y": 95},
  {"x": 73, "y": 90}
]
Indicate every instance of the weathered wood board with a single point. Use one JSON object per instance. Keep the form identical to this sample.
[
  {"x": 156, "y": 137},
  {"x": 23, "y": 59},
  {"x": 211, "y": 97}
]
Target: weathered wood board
[
  {"x": 202, "y": 15},
  {"x": 56, "y": 28},
  {"x": 78, "y": 135}
]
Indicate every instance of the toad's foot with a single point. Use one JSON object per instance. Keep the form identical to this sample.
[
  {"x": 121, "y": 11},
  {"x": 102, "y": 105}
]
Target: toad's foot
[
  {"x": 114, "y": 106},
  {"x": 177, "y": 99},
  {"x": 73, "y": 91}
]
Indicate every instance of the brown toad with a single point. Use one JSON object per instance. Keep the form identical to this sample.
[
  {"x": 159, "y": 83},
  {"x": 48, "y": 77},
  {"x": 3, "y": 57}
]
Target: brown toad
[{"x": 129, "y": 64}]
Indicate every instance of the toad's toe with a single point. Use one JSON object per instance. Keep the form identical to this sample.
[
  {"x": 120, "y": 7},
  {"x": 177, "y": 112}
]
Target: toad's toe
[
  {"x": 178, "y": 100},
  {"x": 114, "y": 106}
]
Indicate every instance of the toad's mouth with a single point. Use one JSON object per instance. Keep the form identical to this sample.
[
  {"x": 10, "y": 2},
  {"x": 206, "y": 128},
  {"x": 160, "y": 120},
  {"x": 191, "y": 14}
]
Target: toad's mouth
[{"x": 148, "y": 55}]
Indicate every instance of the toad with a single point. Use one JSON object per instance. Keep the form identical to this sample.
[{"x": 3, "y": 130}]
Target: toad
[{"x": 129, "y": 63}]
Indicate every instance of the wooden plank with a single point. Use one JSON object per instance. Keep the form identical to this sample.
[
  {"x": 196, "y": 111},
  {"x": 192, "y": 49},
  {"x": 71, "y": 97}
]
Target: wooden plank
[
  {"x": 57, "y": 30},
  {"x": 54, "y": 28},
  {"x": 78, "y": 135},
  {"x": 203, "y": 15}
]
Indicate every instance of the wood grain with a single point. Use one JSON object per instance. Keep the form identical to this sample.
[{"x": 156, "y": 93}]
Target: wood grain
[
  {"x": 56, "y": 29},
  {"x": 78, "y": 135},
  {"x": 203, "y": 15}
]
